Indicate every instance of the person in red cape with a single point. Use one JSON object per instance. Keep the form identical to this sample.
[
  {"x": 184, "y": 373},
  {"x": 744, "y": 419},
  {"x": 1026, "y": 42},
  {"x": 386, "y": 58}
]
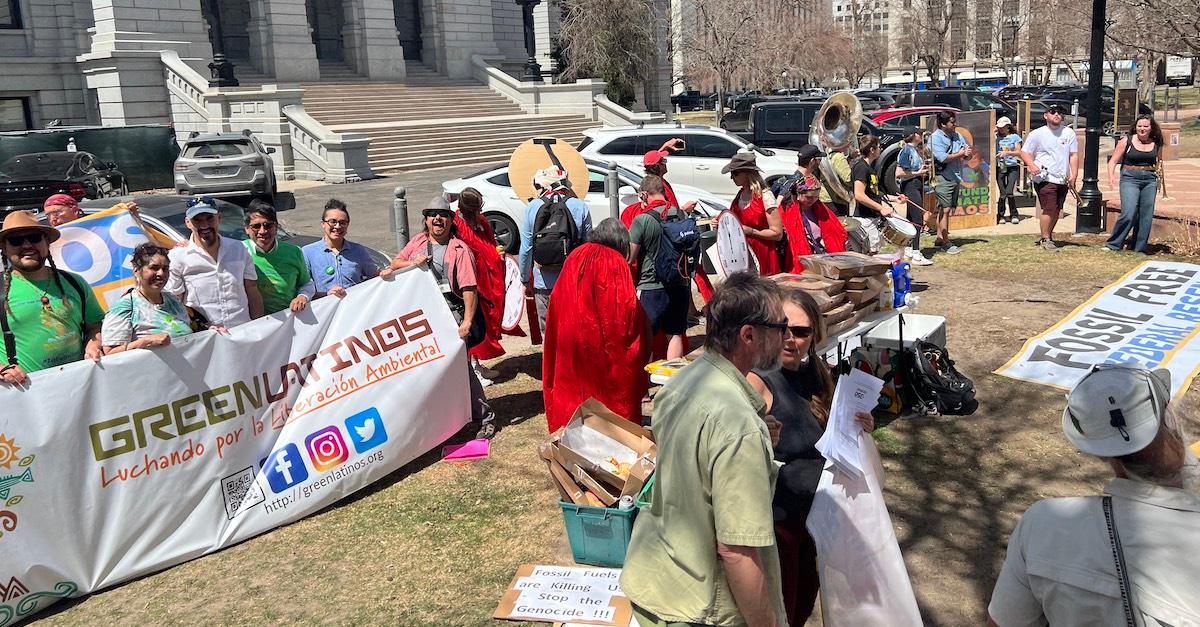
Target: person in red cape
[
  {"x": 756, "y": 208},
  {"x": 597, "y": 339},
  {"x": 655, "y": 163},
  {"x": 811, "y": 225},
  {"x": 476, "y": 232}
]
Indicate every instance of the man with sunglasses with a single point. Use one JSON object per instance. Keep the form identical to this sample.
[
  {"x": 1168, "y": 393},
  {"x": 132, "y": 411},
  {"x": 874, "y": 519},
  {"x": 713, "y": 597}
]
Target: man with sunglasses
[
  {"x": 48, "y": 317},
  {"x": 213, "y": 274},
  {"x": 1129, "y": 557},
  {"x": 704, "y": 552},
  {"x": 283, "y": 278},
  {"x": 1052, "y": 155}
]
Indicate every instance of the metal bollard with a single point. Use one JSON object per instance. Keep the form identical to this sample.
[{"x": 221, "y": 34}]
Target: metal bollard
[
  {"x": 612, "y": 188},
  {"x": 400, "y": 218},
  {"x": 1075, "y": 113}
]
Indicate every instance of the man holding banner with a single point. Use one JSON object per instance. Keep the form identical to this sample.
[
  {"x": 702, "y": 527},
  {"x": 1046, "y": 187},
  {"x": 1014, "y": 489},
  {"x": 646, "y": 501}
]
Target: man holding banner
[
  {"x": 49, "y": 317},
  {"x": 213, "y": 274}
]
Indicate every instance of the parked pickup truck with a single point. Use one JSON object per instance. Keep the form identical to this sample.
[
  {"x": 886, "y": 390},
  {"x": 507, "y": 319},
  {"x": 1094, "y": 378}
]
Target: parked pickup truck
[{"x": 26, "y": 181}]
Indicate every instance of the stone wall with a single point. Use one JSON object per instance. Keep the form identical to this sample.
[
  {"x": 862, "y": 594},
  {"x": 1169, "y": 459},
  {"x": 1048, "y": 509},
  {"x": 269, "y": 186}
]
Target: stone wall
[
  {"x": 37, "y": 62},
  {"x": 508, "y": 29}
]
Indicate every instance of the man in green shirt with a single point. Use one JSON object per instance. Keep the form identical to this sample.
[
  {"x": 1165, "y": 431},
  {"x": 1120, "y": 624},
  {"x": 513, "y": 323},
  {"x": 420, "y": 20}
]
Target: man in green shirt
[
  {"x": 50, "y": 317},
  {"x": 666, "y": 306},
  {"x": 704, "y": 552},
  {"x": 283, "y": 278}
]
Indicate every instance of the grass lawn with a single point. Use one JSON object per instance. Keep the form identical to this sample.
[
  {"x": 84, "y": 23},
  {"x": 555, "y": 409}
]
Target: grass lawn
[{"x": 436, "y": 543}]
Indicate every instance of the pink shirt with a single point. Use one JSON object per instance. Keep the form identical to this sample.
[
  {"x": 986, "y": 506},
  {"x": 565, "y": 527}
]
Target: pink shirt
[{"x": 460, "y": 263}]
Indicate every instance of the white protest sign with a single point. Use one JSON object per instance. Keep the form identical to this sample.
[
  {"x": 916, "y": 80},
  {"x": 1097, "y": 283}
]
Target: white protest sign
[
  {"x": 114, "y": 470},
  {"x": 1148, "y": 318},
  {"x": 566, "y": 594}
]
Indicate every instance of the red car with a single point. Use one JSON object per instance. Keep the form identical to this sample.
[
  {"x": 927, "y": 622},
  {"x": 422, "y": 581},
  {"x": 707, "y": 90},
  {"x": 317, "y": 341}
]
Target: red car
[{"x": 904, "y": 116}]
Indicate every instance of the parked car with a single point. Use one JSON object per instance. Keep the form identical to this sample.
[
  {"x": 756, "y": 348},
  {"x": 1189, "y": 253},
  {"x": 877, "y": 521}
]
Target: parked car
[
  {"x": 1013, "y": 93},
  {"x": 906, "y": 116},
  {"x": 738, "y": 119},
  {"x": 26, "y": 181},
  {"x": 225, "y": 164},
  {"x": 691, "y": 100},
  {"x": 875, "y": 100},
  {"x": 706, "y": 151},
  {"x": 506, "y": 212},
  {"x": 165, "y": 213},
  {"x": 958, "y": 98}
]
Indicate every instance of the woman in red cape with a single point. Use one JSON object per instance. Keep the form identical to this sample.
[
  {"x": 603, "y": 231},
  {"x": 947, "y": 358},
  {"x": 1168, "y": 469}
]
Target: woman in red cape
[
  {"x": 474, "y": 229},
  {"x": 597, "y": 336},
  {"x": 804, "y": 198},
  {"x": 756, "y": 208}
]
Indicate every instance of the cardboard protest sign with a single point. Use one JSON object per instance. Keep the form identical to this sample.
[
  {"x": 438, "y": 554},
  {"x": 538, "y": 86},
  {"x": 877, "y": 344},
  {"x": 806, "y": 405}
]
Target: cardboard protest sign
[
  {"x": 1150, "y": 318},
  {"x": 584, "y": 595},
  {"x": 540, "y": 153}
]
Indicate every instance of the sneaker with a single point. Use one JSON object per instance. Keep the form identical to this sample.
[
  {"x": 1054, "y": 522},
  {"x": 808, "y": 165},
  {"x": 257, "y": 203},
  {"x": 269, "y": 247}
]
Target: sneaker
[
  {"x": 1106, "y": 249},
  {"x": 1048, "y": 244},
  {"x": 484, "y": 381},
  {"x": 487, "y": 431},
  {"x": 952, "y": 250},
  {"x": 1014, "y": 220},
  {"x": 917, "y": 259}
]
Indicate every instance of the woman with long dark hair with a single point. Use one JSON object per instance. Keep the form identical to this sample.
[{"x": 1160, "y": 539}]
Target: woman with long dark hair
[
  {"x": 148, "y": 316},
  {"x": 475, "y": 230},
  {"x": 798, "y": 396},
  {"x": 1139, "y": 156}
]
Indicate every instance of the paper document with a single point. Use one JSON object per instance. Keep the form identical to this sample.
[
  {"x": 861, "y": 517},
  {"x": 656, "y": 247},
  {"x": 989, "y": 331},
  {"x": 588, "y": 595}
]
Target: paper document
[{"x": 856, "y": 392}]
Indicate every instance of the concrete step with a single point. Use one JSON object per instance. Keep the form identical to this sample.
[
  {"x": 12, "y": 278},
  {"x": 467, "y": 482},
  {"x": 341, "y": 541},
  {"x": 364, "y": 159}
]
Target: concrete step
[
  {"x": 424, "y": 143},
  {"x": 377, "y": 116}
]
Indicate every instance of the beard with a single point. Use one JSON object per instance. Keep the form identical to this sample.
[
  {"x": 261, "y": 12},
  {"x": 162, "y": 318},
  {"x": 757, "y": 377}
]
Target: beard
[
  {"x": 26, "y": 264},
  {"x": 767, "y": 351}
]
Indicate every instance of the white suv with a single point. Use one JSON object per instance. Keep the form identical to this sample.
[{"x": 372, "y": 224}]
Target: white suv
[{"x": 706, "y": 151}]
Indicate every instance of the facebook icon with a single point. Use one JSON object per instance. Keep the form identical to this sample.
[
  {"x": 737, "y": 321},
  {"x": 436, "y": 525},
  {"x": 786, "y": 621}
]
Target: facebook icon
[{"x": 284, "y": 468}]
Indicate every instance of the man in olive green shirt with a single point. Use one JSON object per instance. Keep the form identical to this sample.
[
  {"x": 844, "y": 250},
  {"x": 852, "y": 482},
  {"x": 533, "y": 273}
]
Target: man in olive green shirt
[
  {"x": 283, "y": 278},
  {"x": 704, "y": 551}
]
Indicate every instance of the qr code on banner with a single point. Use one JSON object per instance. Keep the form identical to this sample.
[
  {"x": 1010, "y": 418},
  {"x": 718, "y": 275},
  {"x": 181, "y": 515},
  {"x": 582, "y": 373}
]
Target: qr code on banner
[{"x": 241, "y": 492}]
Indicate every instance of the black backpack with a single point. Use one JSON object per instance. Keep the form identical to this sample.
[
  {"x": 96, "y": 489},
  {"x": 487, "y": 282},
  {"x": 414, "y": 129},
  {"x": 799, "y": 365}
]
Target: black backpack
[
  {"x": 936, "y": 386},
  {"x": 555, "y": 233},
  {"x": 677, "y": 250}
]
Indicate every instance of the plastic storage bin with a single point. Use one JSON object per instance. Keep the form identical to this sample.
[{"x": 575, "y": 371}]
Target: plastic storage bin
[
  {"x": 920, "y": 327},
  {"x": 599, "y": 535}
]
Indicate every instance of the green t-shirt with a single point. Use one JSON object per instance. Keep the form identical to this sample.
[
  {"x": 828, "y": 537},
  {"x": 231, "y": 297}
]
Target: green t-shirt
[
  {"x": 281, "y": 274},
  {"x": 646, "y": 231},
  {"x": 50, "y": 334}
]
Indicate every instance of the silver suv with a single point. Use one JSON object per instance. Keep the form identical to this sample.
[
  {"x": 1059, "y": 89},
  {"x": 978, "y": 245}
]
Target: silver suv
[{"x": 225, "y": 164}]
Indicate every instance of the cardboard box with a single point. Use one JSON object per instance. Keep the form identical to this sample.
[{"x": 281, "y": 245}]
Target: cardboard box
[
  {"x": 839, "y": 314},
  {"x": 810, "y": 282},
  {"x": 845, "y": 265},
  {"x": 593, "y": 435},
  {"x": 866, "y": 282}
]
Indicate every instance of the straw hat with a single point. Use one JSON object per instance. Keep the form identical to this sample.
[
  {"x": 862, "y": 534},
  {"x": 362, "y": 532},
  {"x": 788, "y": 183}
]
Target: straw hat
[{"x": 24, "y": 221}]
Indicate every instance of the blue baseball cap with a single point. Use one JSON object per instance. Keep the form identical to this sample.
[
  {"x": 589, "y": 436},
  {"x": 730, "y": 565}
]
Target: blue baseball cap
[{"x": 197, "y": 206}]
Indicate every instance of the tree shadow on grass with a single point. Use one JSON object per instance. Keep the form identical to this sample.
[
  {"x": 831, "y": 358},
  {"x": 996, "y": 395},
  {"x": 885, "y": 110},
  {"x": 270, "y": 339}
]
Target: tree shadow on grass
[{"x": 512, "y": 367}]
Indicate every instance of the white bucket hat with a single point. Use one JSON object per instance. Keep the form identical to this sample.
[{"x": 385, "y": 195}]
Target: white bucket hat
[{"x": 1116, "y": 409}]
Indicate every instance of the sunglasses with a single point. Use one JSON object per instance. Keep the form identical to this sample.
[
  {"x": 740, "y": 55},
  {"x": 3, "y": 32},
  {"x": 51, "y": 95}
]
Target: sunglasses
[
  {"x": 192, "y": 202},
  {"x": 332, "y": 222},
  {"x": 437, "y": 214},
  {"x": 20, "y": 240},
  {"x": 261, "y": 226},
  {"x": 799, "y": 331},
  {"x": 778, "y": 326}
]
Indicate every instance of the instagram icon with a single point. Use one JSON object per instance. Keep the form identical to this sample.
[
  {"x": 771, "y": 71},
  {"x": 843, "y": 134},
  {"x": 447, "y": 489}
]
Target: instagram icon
[{"x": 326, "y": 448}]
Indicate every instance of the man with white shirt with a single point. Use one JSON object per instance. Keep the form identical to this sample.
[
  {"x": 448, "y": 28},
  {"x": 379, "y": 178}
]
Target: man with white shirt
[
  {"x": 1052, "y": 155},
  {"x": 212, "y": 274}
]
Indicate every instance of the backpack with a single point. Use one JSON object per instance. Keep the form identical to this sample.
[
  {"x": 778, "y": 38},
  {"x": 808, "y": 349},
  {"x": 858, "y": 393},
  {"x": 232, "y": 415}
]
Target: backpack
[
  {"x": 677, "y": 250},
  {"x": 555, "y": 233},
  {"x": 936, "y": 386}
]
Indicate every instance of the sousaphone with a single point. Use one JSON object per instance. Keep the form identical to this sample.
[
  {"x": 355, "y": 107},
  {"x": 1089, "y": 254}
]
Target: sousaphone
[{"x": 835, "y": 129}]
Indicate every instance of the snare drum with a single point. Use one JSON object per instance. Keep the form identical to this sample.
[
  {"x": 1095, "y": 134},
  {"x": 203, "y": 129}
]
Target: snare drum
[{"x": 897, "y": 231}]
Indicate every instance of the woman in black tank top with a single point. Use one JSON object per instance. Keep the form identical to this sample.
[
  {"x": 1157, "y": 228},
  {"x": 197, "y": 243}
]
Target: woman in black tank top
[
  {"x": 1137, "y": 156},
  {"x": 798, "y": 396}
]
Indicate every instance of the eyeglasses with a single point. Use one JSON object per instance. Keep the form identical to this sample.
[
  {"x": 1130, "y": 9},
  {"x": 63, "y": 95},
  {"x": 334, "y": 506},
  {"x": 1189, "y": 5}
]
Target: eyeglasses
[
  {"x": 35, "y": 237},
  {"x": 261, "y": 226},
  {"x": 799, "y": 331},
  {"x": 332, "y": 222},
  {"x": 778, "y": 326}
]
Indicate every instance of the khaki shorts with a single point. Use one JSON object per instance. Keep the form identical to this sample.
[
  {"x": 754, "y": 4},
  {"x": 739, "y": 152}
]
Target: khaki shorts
[{"x": 947, "y": 192}]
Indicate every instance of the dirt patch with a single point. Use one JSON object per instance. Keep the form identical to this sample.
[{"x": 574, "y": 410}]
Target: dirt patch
[{"x": 436, "y": 544}]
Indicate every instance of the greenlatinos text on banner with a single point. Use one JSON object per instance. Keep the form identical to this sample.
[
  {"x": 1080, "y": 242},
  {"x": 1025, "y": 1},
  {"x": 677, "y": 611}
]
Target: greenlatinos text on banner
[
  {"x": 1148, "y": 318},
  {"x": 114, "y": 470}
]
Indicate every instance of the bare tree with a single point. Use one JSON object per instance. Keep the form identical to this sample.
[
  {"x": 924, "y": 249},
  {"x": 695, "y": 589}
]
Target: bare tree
[
  {"x": 1054, "y": 40},
  {"x": 927, "y": 34},
  {"x": 865, "y": 46},
  {"x": 612, "y": 39},
  {"x": 1159, "y": 26}
]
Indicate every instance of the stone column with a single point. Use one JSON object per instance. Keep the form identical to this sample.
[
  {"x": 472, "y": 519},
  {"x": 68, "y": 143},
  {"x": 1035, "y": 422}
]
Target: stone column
[
  {"x": 466, "y": 27},
  {"x": 280, "y": 40},
  {"x": 372, "y": 47},
  {"x": 123, "y": 64},
  {"x": 546, "y": 26}
]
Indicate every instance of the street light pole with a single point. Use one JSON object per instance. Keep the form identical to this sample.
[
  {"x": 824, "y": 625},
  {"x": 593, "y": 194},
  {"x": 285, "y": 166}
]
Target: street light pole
[
  {"x": 533, "y": 71},
  {"x": 221, "y": 68},
  {"x": 1091, "y": 201}
]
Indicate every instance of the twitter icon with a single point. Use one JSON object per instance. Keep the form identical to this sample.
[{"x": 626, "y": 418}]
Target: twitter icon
[{"x": 366, "y": 430}]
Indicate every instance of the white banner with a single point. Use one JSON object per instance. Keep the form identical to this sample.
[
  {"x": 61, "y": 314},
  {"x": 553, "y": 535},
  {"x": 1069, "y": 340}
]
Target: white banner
[
  {"x": 114, "y": 470},
  {"x": 1147, "y": 318}
]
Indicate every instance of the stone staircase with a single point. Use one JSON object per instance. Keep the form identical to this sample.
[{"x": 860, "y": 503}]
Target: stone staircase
[{"x": 429, "y": 121}]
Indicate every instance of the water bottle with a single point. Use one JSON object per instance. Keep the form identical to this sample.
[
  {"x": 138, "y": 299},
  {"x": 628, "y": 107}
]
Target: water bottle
[
  {"x": 901, "y": 283},
  {"x": 71, "y": 144},
  {"x": 626, "y": 502}
]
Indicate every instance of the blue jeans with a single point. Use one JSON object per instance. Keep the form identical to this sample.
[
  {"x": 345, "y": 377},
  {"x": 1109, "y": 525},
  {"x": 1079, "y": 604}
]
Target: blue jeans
[{"x": 1138, "y": 188}]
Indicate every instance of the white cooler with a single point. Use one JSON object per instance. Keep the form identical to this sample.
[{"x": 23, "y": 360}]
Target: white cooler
[{"x": 917, "y": 327}]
